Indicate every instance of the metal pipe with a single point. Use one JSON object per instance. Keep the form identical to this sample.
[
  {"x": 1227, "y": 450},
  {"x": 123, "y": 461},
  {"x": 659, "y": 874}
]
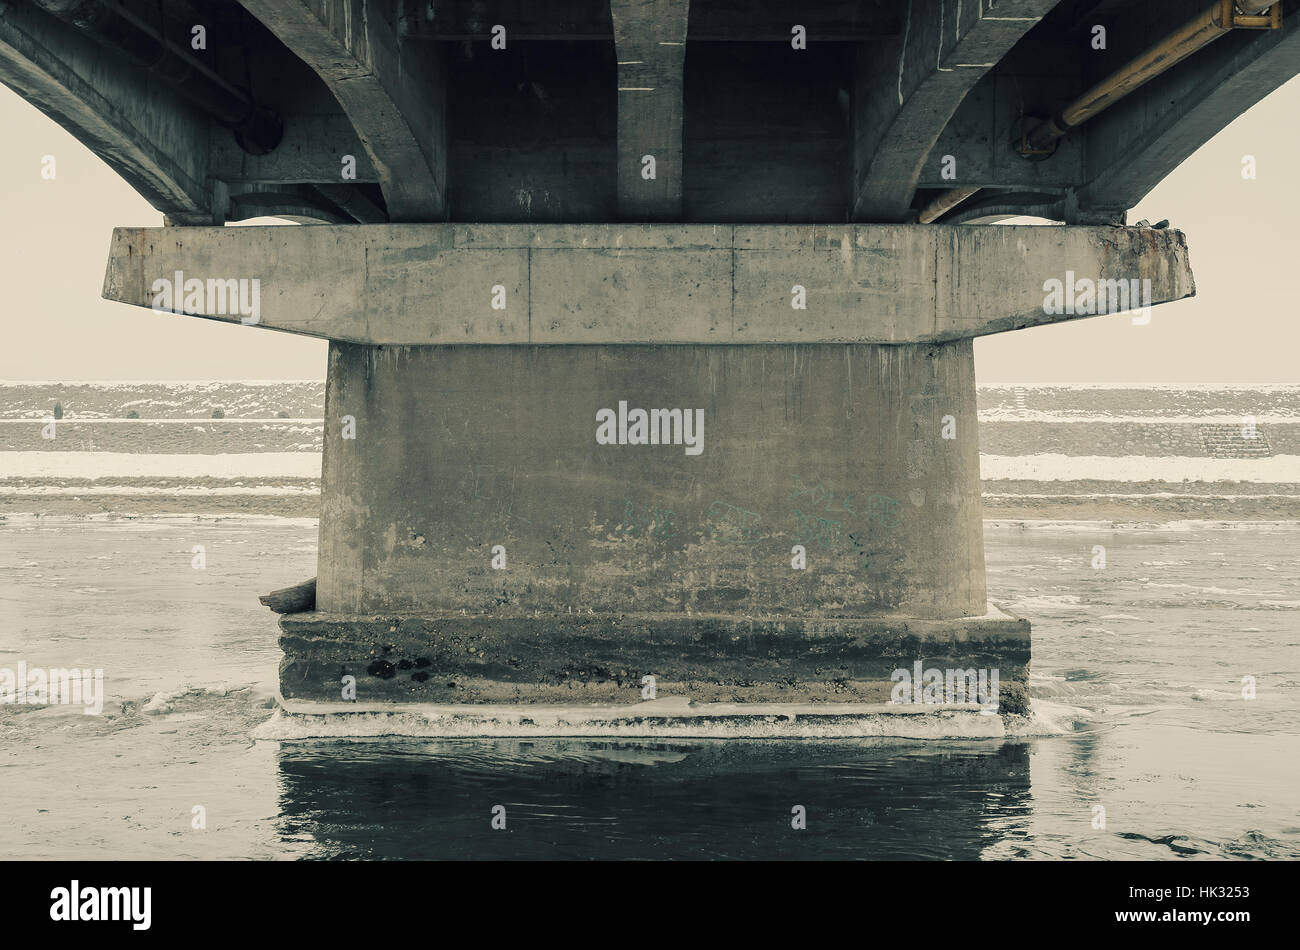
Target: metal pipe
[
  {"x": 1197, "y": 33},
  {"x": 115, "y": 26}
]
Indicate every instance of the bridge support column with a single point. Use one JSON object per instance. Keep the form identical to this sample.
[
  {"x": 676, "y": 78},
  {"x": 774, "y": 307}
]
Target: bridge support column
[
  {"x": 561, "y": 460},
  {"x": 818, "y": 531}
]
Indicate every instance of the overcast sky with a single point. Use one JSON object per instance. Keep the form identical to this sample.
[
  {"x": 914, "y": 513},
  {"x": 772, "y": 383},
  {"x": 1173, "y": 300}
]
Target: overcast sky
[{"x": 1242, "y": 327}]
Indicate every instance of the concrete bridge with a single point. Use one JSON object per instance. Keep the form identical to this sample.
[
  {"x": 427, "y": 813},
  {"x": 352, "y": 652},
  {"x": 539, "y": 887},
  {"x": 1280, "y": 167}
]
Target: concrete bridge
[{"x": 650, "y": 320}]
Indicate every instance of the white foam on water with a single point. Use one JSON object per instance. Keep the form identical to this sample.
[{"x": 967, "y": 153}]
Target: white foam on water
[
  {"x": 674, "y": 718},
  {"x": 1047, "y": 719},
  {"x": 164, "y": 703},
  {"x": 1233, "y": 591},
  {"x": 1051, "y": 602},
  {"x": 1209, "y": 695}
]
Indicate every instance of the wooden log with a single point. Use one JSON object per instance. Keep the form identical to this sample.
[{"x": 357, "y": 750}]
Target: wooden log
[{"x": 292, "y": 600}]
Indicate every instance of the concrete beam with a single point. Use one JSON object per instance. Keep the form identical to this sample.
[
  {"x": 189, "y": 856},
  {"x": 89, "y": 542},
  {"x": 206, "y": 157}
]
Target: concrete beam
[
  {"x": 555, "y": 284},
  {"x": 1149, "y": 134},
  {"x": 650, "y": 41},
  {"x": 980, "y": 133},
  {"x": 300, "y": 203},
  {"x": 138, "y": 126},
  {"x": 716, "y": 21},
  {"x": 903, "y": 100},
  {"x": 352, "y": 199},
  {"x": 394, "y": 95},
  {"x": 311, "y": 152}
]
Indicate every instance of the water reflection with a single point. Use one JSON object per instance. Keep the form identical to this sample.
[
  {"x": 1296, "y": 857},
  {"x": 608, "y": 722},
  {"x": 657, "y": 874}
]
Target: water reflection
[{"x": 566, "y": 798}]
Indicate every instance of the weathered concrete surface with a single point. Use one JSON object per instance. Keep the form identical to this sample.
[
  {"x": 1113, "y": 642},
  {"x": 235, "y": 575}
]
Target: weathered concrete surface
[
  {"x": 436, "y": 284},
  {"x": 838, "y": 448},
  {"x": 582, "y": 659},
  {"x": 905, "y": 99},
  {"x": 309, "y": 152},
  {"x": 551, "y": 126},
  {"x": 394, "y": 95},
  {"x": 1133, "y": 146},
  {"x": 650, "y": 39},
  {"x": 143, "y": 130}
]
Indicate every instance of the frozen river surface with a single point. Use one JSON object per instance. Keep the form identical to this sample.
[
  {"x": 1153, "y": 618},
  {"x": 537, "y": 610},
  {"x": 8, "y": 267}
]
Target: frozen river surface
[{"x": 1138, "y": 666}]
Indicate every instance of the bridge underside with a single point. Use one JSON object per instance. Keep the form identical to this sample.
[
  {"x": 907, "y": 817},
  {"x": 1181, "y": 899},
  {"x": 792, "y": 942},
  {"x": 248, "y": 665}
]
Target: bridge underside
[
  {"x": 518, "y": 111},
  {"x": 546, "y": 218}
]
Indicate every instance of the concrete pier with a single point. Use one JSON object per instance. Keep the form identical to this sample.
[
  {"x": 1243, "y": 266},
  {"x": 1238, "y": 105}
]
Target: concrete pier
[
  {"x": 825, "y": 534},
  {"x": 837, "y": 448},
  {"x": 778, "y": 502}
]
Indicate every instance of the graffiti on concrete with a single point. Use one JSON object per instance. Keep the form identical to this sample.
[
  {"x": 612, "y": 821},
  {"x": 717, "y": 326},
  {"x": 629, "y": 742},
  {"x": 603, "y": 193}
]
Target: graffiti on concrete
[{"x": 734, "y": 524}]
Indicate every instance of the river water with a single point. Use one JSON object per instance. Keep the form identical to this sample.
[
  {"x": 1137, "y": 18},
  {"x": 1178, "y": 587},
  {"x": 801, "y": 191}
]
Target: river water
[{"x": 1147, "y": 746}]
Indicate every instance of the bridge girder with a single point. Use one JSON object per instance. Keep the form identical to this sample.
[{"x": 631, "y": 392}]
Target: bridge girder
[
  {"x": 393, "y": 93},
  {"x": 138, "y": 126},
  {"x": 650, "y": 41},
  {"x": 1113, "y": 161},
  {"x": 744, "y": 126},
  {"x": 903, "y": 101},
  {"x": 1139, "y": 142}
]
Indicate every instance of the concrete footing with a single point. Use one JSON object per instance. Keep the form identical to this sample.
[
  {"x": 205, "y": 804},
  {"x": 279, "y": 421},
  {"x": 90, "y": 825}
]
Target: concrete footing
[{"x": 575, "y": 660}]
